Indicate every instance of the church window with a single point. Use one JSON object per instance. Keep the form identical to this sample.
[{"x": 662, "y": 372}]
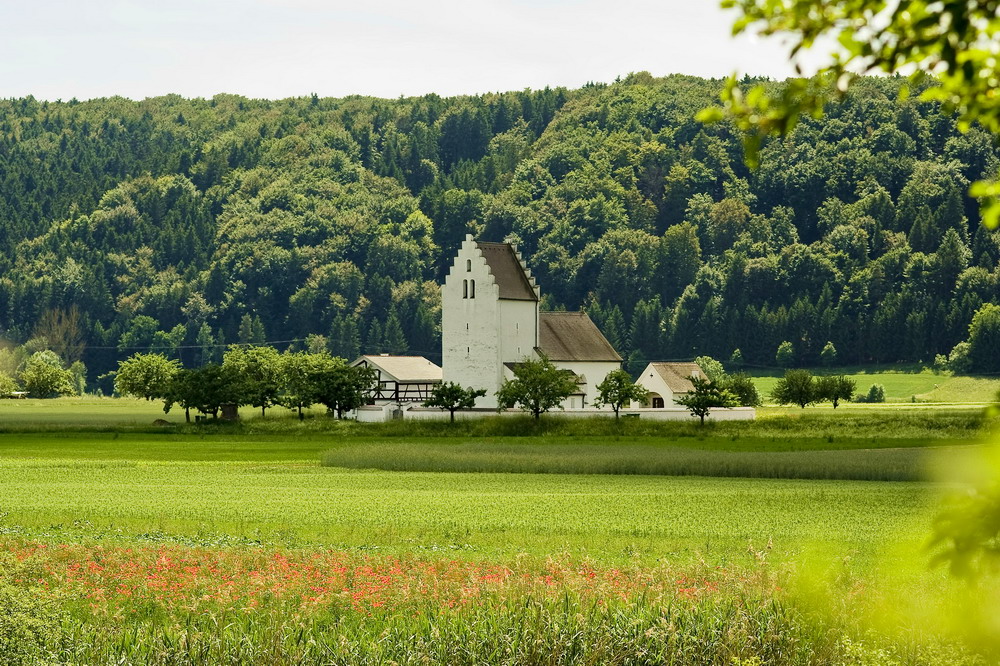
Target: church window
[
  {"x": 466, "y": 325},
  {"x": 468, "y": 265},
  {"x": 472, "y": 288},
  {"x": 465, "y": 288}
]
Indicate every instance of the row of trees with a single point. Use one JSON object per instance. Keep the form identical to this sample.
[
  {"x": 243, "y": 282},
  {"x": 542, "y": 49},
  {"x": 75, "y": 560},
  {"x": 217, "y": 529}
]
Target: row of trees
[{"x": 257, "y": 376}]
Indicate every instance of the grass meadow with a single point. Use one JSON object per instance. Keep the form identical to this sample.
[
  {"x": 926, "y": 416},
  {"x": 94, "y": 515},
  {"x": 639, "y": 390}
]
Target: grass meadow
[
  {"x": 800, "y": 538},
  {"x": 903, "y": 384}
]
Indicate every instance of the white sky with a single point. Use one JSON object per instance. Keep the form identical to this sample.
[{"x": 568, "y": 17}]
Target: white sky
[{"x": 56, "y": 49}]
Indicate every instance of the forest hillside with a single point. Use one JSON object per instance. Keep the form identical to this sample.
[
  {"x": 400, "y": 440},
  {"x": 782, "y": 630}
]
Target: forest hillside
[{"x": 184, "y": 225}]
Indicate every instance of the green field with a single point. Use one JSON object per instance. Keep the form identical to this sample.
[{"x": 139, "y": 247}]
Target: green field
[
  {"x": 493, "y": 515},
  {"x": 215, "y": 542},
  {"x": 902, "y": 386}
]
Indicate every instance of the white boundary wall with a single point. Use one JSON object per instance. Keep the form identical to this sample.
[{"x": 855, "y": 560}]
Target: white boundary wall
[{"x": 383, "y": 413}]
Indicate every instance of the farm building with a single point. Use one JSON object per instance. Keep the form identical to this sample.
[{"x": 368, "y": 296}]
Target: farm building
[
  {"x": 667, "y": 381},
  {"x": 491, "y": 321},
  {"x": 401, "y": 379}
]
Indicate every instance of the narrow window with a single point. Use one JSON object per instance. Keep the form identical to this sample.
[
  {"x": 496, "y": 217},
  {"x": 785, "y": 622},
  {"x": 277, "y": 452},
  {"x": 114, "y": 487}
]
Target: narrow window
[
  {"x": 465, "y": 288},
  {"x": 472, "y": 288},
  {"x": 468, "y": 265},
  {"x": 466, "y": 325}
]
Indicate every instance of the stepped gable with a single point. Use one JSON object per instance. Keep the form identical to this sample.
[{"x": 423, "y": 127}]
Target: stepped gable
[
  {"x": 573, "y": 336},
  {"x": 508, "y": 271}
]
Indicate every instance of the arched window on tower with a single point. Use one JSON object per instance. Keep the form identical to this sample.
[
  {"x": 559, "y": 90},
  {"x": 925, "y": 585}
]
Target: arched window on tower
[
  {"x": 465, "y": 288},
  {"x": 468, "y": 265},
  {"x": 472, "y": 288}
]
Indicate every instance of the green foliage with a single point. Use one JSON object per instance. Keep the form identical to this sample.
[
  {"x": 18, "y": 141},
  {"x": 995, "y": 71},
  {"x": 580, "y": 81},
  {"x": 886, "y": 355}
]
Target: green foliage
[
  {"x": 785, "y": 356},
  {"x": 146, "y": 376},
  {"x": 452, "y": 397},
  {"x": 736, "y": 358},
  {"x": 959, "y": 360},
  {"x": 835, "y": 389},
  {"x": 706, "y": 396},
  {"x": 829, "y": 354},
  {"x": 257, "y": 374},
  {"x": 618, "y": 390},
  {"x": 742, "y": 386},
  {"x": 339, "y": 386},
  {"x": 29, "y": 622},
  {"x": 941, "y": 47},
  {"x": 205, "y": 389},
  {"x": 43, "y": 376},
  {"x": 797, "y": 387},
  {"x": 984, "y": 339},
  {"x": 537, "y": 387},
  {"x": 253, "y": 221},
  {"x": 967, "y": 527},
  {"x": 713, "y": 369},
  {"x": 7, "y": 385},
  {"x": 875, "y": 394}
]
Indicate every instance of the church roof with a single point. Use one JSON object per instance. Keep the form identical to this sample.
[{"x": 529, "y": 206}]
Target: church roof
[
  {"x": 675, "y": 375},
  {"x": 572, "y": 336},
  {"x": 403, "y": 368},
  {"x": 508, "y": 271}
]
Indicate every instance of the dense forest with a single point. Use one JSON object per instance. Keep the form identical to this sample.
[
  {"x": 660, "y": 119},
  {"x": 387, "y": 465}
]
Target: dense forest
[{"x": 184, "y": 225}]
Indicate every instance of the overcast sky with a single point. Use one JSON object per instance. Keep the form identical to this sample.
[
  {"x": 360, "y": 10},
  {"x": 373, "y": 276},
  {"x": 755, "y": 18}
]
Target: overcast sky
[{"x": 56, "y": 49}]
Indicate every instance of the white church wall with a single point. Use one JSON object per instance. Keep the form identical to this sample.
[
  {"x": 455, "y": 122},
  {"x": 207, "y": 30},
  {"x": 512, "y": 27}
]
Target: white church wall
[
  {"x": 669, "y": 414},
  {"x": 519, "y": 330},
  {"x": 651, "y": 380},
  {"x": 469, "y": 324},
  {"x": 594, "y": 372}
]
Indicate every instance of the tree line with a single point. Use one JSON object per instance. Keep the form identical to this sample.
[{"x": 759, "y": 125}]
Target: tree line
[
  {"x": 257, "y": 376},
  {"x": 182, "y": 226}
]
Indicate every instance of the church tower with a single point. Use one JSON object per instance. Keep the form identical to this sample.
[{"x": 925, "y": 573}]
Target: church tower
[{"x": 489, "y": 316}]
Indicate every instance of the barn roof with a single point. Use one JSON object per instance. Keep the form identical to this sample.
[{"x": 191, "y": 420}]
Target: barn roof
[
  {"x": 675, "y": 375},
  {"x": 508, "y": 271},
  {"x": 403, "y": 368},
  {"x": 572, "y": 336}
]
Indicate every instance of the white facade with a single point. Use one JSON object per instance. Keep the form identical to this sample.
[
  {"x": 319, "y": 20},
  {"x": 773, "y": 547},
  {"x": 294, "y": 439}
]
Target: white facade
[
  {"x": 479, "y": 330},
  {"x": 666, "y": 382},
  {"x": 490, "y": 317}
]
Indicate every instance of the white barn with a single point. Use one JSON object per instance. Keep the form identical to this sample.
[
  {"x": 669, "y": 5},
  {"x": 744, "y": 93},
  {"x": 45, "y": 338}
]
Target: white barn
[
  {"x": 491, "y": 320},
  {"x": 666, "y": 382}
]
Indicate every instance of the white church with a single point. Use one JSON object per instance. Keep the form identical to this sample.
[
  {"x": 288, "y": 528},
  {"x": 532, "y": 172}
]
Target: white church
[{"x": 490, "y": 322}]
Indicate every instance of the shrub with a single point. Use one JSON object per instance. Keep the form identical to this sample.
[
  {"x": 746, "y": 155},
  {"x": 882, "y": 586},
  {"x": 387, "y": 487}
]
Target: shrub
[
  {"x": 876, "y": 393},
  {"x": 785, "y": 355},
  {"x": 829, "y": 354},
  {"x": 959, "y": 360},
  {"x": 27, "y": 626},
  {"x": 742, "y": 386}
]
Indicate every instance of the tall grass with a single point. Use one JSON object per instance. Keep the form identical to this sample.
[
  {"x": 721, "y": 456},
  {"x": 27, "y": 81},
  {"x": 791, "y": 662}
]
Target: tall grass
[
  {"x": 750, "y": 631},
  {"x": 905, "y": 464}
]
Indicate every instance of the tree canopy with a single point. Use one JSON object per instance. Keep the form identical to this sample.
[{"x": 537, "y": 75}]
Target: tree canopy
[{"x": 180, "y": 227}]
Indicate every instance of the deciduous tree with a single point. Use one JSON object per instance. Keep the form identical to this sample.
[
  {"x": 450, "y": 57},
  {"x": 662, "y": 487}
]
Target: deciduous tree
[
  {"x": 706, "y": 396},
  {"x": 797, "y": 387},
  {"x": 537, "y": 387},
  {"x": 453, "y": 397},
  {"x": 618, "y": 390},
  {"x": 146, "y": 376}
]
